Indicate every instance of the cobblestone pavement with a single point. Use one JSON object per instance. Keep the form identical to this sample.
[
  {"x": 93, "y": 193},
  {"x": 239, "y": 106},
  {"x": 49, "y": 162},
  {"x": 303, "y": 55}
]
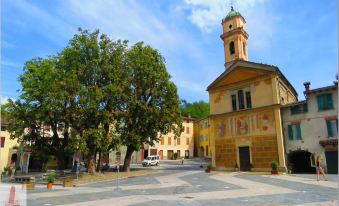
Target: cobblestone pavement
[{"x": 189, "y": 185}]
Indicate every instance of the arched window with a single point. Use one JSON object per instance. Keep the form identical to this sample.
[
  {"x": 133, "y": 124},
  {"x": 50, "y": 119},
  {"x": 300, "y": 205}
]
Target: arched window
[{"x": 232, "y": 48}]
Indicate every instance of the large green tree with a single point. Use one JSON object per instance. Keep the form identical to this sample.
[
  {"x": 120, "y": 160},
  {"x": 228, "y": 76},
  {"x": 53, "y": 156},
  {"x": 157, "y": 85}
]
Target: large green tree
[
  {"x": 94, "y": 94},
  {"x": 46, "y": 103},
  {"x": 151, "y": 106},
  {"x": 100, "y": 68},
  {"x": 196, "y": 109}
]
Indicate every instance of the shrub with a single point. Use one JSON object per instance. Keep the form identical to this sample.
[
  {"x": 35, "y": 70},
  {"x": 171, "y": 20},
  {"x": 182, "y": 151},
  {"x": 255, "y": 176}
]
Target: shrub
[
  {"x": 51, "y": 177},
  {"x": 209, "y": 166},
  {"x": 175, "y": 156},
  {"x": 274, "y": 165}
]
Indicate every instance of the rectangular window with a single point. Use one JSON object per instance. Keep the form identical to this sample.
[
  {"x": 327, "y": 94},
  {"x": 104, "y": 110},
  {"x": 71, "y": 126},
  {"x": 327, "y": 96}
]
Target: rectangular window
[
  {"x": 324, "y": 102},
  {"x": 187, "y": 141},
  {"x": 206, "y": 124},
  {"x": 178, "y": 141},
  {"x": 299, "y": 109},
  {"x": 206, "y": 137},
  {"x": 200, "y": 126},
  {"x": 294, "y": 132},
  {"x": 2, "y": 142},
  {"x": 187, "y": 130},
  {"x": 332, "y": 128},
  {"x": 234, "y": 102},
  {"x": 241, "y": 100},
  {"x": 3, "y": 128},
  {"x": 201, "y": 138},
  {"x": 248, "y": 100},
  {"x": 169, "y": 139},
  {"x": 162, "y": 141}
]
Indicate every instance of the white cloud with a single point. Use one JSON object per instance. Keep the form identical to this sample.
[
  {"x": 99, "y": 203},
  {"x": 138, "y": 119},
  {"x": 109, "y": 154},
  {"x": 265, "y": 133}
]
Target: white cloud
[
  {"x": 7, "y": 45},
  {"x": 207, "y": 15},
  {"x": 129, "y": 19},
  {"x": 43, "y": 22},
  {"x": 190, "y": 86},
  {"x": 10, "y": 64},
  {"x": 4, "y": 99}
]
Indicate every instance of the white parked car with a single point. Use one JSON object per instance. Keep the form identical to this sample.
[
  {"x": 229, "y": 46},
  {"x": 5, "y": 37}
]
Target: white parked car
[{"x": 151, "y": 160}]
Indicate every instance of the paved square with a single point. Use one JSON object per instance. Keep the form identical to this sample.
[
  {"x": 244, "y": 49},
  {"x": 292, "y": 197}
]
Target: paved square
[{"x": 189, "y": 185}]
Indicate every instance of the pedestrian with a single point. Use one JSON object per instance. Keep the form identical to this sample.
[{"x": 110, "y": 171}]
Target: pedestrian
[
  {"x": 320, "y": 169},
  {"x": 182, "y": 161}
]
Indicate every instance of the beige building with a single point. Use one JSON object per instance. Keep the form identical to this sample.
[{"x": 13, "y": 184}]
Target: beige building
[
  {"x": 8, "y": 147},
  {"x": 311, "y": 129},
  {"x": 168, "y": 146}
]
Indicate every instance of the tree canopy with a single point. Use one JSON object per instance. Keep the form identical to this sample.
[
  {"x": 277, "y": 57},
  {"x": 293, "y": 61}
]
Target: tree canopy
[
  {"x": 196, "y": 109},
  {"x": 94, "y": 94}
]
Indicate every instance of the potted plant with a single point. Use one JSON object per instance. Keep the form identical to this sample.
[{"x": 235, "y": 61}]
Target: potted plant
[
  {"x": 175, "y": 156},
  {"x": 50, "y": 179},
  {"x": 274, "y": 166},
  {"x": 209, "y": 168}
]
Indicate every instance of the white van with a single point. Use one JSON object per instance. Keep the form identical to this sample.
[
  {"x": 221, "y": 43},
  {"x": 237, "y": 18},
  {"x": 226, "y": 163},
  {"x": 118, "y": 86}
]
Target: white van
[{"x": 151, "y": 160}]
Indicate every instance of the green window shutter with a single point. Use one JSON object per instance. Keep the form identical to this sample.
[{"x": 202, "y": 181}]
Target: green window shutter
[
  {"x": 329, "y": 103},
  {"x": 337, "y": 124},
  {"x": 329, "y": 128},
  {"x": 298, "y": 131},
  {"x": 290, "y": 132},
  {"x": 320, "y": 102},
  {"x": 305, "y": 107}
]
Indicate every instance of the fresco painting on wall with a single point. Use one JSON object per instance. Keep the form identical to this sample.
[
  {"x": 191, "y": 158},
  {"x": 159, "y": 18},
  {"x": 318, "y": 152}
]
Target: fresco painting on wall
[
  {"x": 266, "y": 121},
  {"x": 242, "y": 125},
  {"x": 246, "y": 124},
  {"x": 222, "y": 127}
]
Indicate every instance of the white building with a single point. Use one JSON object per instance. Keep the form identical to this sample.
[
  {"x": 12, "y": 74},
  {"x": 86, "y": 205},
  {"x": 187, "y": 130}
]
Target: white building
[{"x": 311, "y": 129}]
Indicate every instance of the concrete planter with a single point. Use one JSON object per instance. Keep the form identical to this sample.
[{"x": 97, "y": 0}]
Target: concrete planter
[
  {"x": 67, "y": 183},
  {"x": 28, "y": 185}
]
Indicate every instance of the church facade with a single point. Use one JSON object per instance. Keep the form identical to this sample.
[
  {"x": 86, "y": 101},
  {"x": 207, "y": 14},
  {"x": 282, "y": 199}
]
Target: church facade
[{"x": 245, "y": 100}]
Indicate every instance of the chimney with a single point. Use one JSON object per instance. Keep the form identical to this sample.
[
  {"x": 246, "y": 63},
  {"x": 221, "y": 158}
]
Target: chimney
[
  {"x": 307, "y": 86},
  {"x": 189, "y": 115}
]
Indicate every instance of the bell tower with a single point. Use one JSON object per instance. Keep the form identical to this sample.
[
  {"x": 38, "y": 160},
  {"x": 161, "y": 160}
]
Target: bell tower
[{"x": 235, "y": 37}]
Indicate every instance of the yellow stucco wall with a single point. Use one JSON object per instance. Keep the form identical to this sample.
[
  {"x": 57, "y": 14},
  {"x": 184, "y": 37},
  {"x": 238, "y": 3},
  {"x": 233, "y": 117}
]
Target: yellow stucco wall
[
  {"x": 233, "y": 34},
  {"x": 254, "y": 128},
  {"x": 7, "y": 150},
  {"x": 261, "y": 92},
  {"x": 203, "y": 138},
  {"x": 259, "y": 128}
]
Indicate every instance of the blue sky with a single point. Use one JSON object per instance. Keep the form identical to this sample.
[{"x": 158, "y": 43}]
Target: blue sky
[{"x": 300, "y": 37}]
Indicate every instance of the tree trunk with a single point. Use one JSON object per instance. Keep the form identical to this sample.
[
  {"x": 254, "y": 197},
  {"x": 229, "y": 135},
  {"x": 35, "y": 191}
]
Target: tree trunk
[
  {"x": 91, "y": 161},
  {"x": 61, "y": 160},
  {"x": 127, "y": 162},
  {"x": 99, "y": 164}
]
